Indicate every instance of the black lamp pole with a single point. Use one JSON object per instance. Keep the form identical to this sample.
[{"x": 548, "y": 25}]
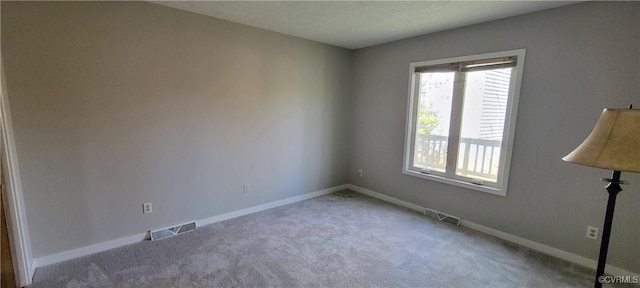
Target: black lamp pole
[
  {"x": 615, "y": 134},
  {"x": 613, "y": 188}
]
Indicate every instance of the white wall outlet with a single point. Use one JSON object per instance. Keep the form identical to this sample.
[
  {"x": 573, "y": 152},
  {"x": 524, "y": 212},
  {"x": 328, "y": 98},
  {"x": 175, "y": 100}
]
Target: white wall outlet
[
  {"x": 147, "y": 208},
  {"x": 359, "y": 172},
  {"x": 245, "y": 188},
  {"x": 592, "y": 232}
]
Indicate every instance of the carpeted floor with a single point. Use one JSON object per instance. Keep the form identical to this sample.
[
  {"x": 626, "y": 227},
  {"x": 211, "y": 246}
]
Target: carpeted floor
[{"x": 327, "y": 241}]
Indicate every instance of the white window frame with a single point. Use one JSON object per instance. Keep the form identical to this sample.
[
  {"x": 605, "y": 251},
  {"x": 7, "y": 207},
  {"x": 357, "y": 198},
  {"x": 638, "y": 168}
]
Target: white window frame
[{"x": 500, "y": 188}]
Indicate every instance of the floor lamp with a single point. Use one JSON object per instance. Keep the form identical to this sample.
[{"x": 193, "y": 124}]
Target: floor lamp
[{"x": 613, "y": 144}]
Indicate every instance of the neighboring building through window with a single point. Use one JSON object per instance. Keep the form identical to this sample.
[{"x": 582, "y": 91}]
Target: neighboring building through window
[{"x": 461, "y": 117}]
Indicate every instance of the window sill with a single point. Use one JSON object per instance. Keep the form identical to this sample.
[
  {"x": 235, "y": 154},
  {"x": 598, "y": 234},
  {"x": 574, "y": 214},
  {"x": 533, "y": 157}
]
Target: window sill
[{"x": 459, "y": 183}]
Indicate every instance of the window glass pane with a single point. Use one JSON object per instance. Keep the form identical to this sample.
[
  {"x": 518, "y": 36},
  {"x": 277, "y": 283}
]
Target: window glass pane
[
  {"x": 432, "y": 122},
  {"x": 483, "y": 115}
]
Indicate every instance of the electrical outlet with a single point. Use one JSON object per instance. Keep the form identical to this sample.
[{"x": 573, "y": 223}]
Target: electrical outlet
[
  {"x": 147, "y": 208},
  {"x": 359, "y": 172},
  {"x": 245, "y": 188},
  {"x": 592, "y": 232}
]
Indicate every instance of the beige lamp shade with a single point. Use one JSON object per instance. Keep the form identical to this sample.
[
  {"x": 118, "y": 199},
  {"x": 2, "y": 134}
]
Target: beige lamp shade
[{"x": 613, "y": 144}]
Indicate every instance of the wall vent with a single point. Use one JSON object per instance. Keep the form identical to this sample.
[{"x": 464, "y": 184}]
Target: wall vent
[
  {"x": 443, "y": 217},
  {"x": 172, "y": 231}
]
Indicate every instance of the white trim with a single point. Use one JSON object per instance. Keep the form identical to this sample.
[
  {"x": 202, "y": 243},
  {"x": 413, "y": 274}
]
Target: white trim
[
  {"x": 449, "y": 177},
  {"x": 386, "y": 198},
  {"x": 555, "y": 252},
  {"x": 88, "y": 250},
  {"x": 456, "y": 182},
  {"x": 20, "y": 240},
  {"x": 509, "y": 131},
  {"x": 103, "y": 246},
  {"x": 558, "y": 253},
  {"x": 251, "y": 210}
]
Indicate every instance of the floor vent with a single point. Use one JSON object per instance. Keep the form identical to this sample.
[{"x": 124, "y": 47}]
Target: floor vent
[
  {"x": 443, "y": 217},
  {"x": 172, "y": 231},
  {"x": 344, "y": 193}
]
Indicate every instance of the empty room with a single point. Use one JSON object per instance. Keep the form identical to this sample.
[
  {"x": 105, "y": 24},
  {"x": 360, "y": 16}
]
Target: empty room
[{"x": 320, "y": 144}]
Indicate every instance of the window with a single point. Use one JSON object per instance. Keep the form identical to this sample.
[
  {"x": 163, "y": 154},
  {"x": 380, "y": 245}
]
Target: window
[{"x": 461, "y": 119}]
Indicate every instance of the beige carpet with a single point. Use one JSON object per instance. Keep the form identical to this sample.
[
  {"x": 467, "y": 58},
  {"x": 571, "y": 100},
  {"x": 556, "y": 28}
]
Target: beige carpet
[{"x": 328, "y": 241}]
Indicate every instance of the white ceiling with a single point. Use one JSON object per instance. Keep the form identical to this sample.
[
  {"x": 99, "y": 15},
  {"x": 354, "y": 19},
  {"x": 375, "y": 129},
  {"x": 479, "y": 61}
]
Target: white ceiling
[{"x": 357, "y": 24}]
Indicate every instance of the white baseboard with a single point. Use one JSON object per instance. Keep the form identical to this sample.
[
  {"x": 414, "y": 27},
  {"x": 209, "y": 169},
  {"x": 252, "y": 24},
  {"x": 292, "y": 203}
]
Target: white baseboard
[
  {"x": 87, "y": 250},
  {"x": 103, "y": 246},
  {"x": 558, "y": 253},
  {"x": 387, "y": 198},
  {"x": 555, "y": 252},
  {"x": 254, "y": 209}
]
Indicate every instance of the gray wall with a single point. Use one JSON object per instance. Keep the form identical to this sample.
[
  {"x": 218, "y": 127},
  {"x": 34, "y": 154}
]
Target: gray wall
[
  {"x": 116, "y": 104},
  {"x": 580, "y": 59}
]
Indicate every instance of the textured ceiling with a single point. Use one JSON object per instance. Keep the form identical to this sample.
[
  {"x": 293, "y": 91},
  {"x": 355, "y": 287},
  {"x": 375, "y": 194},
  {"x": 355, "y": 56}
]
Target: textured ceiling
[{"x": 357, "y": 24}]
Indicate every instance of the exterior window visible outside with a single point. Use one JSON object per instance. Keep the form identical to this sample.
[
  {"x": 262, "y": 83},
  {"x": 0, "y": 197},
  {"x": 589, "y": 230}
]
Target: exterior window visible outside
[{"x": 461, "y": 117}]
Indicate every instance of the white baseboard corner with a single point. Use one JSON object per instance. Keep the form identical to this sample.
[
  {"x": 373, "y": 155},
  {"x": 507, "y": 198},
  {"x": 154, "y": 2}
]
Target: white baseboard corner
[
  {"x": 555, "y": 252},
  {"x": 103, "y": 246}
]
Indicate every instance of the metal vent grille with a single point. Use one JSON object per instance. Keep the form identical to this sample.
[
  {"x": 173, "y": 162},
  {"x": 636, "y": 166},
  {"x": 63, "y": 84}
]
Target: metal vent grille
[
  {"x": 172, "y": 231},
  {"x": 344, "y": 193},
  {"x": 443, "y": 217}
]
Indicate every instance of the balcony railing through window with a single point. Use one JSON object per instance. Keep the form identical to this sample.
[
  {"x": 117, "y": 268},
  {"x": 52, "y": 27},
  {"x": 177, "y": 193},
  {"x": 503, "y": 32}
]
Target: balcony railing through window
[{"x": 477, "y": 158}]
